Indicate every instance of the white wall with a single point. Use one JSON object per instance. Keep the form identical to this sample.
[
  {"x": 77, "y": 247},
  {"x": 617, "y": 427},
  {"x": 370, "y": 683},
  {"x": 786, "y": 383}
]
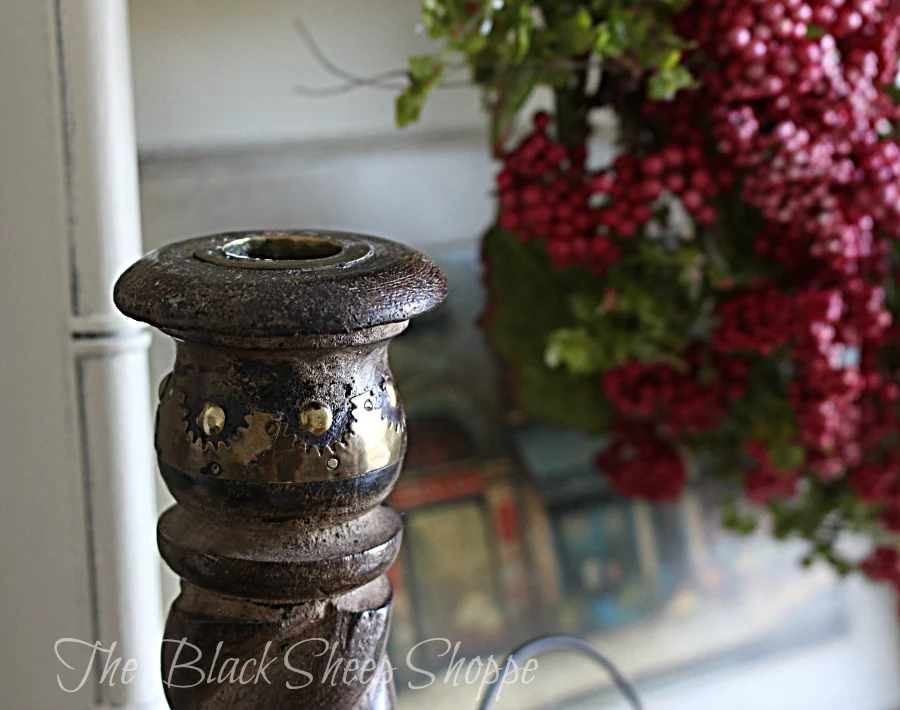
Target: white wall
[{"x": 222, "y": 72}]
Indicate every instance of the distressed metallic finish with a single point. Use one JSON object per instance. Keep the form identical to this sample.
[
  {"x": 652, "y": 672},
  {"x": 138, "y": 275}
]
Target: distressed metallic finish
[
  {"x": 280, "y": 433},
  {"x": 211, "y": 419},
  {"x": 265, "y": 447},
  {"x": 316, "y": 418}
]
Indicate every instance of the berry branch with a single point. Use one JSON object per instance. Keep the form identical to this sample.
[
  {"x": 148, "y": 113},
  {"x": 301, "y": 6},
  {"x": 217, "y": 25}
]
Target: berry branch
[{"x": 723, "y": 291}]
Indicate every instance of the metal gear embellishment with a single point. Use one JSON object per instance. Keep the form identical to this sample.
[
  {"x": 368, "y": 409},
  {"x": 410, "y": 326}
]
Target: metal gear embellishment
[
  {"x": 208, "y": 440},
  {"x": 209, "y": 426}
]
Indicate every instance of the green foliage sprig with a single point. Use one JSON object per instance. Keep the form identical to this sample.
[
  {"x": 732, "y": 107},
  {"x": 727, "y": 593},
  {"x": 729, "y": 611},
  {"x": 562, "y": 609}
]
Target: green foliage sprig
[{"x": 512, "y": 47}]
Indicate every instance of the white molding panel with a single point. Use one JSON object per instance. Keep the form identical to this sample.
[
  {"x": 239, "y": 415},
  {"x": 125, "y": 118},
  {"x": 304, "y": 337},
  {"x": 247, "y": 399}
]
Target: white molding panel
[{"x": 77, "y": 510}]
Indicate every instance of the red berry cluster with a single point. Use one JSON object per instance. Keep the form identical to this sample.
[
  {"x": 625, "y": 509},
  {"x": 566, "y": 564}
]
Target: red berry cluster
[
  {"x": 755, "y": 320},
  {"x": 764, "y": 482},
  {"x": 666, "y": 394},
  {"x": 793, "y": 91},
  {"x": 636, "y": 182},
  {"x": 878, "y": 482},
  {"x": 545, "y": 193},
  {"x": 676, "y": 401},
  {"x": 801, "y": 116},
  {"x": 791, "y": 119},
  {"x": 639, "y": 463},
  {"x": 674, "y": 397},
  {"x": 883, "y": 565}
]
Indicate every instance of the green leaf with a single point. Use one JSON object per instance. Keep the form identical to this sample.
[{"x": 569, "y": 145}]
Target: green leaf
[
  {"x": 639, "y": 26},
  {"x": 434, "y": 15},
  {"x": 425, "y": 69},
  {"x": 559, "y": 397},
  {"x": 738, "y": 519},
  {"x": 670, "y": 59},
  {"x": 602, "y": 38},
  {"x": 607, "y": 42},
  {"x": 665, "y": 83},
  {"x": 511, "y": 97},
  {"x": 576, "y": 32},
  {"x": 408, "y": 107},
  {"x": 425, "y": 73},
  {"x": 677, "y": 5},
  {"x": 892, "y": 91},
  {"x": 571, "y": 348},
  {"x": 815, "y": 31},
  {"x": 788, "y": 457},
  {"x": 524, "y": 28},
  {"x": 529, "y": 301}
]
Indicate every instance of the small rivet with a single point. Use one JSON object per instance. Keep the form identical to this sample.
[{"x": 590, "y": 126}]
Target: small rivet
[
  {"x": 163, "y": 383},
  {"x": 332, "y": 463},
  {"x": 272, "y": 428},
  {"x": 215, "y": 469},
  {"x": 391, "y": 392},
  {"x": 211, "y": 419},
  {"x": 369, "y": 405},
  {"x": 316, "y": 417}
]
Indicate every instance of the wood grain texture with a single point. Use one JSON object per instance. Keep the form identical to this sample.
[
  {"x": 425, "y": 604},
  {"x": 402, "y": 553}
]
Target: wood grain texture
[
  {"x": 173, "y": 290},
  {"x": 280, "y": 533}
]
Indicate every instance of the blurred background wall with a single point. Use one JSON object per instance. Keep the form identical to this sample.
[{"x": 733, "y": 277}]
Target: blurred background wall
[
  {"x": 226, "y": 140},
  {"x": 220, "y": 73}
]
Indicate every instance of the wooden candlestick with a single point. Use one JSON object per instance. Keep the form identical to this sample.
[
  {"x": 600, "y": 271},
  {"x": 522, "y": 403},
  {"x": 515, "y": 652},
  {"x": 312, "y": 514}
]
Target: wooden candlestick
[{"x": 280, "y": 433}]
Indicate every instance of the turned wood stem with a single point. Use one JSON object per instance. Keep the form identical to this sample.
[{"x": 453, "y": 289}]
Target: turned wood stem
[{"x": 280, "y": 433}]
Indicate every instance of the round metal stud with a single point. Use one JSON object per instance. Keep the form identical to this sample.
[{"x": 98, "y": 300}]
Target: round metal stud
[
  {"x": 316, "y": 418},
  {"x": 332, "y": 463},
  {"x": 369, "y": 405},
  {"x": 211, "y": 419},
  {"x": 391, "y": 391}
]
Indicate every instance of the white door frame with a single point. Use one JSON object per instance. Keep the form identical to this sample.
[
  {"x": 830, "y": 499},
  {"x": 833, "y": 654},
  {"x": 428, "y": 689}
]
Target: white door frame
[{"x": 77, "y": 509}]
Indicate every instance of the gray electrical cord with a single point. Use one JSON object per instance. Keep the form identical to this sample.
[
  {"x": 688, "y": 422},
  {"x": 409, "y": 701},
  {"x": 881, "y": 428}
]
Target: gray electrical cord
[{"x": 546, "y": 644}]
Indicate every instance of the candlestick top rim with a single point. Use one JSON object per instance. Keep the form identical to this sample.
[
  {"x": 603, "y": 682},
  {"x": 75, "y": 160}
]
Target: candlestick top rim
[{"x": 279, "y": 283}]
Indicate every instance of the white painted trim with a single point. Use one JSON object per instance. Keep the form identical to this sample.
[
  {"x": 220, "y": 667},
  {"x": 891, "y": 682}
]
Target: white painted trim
[
  {"x": 77, "y": 549},
  {"x": 109, "y": 352},
  {"x": 100, "y": 148}
]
